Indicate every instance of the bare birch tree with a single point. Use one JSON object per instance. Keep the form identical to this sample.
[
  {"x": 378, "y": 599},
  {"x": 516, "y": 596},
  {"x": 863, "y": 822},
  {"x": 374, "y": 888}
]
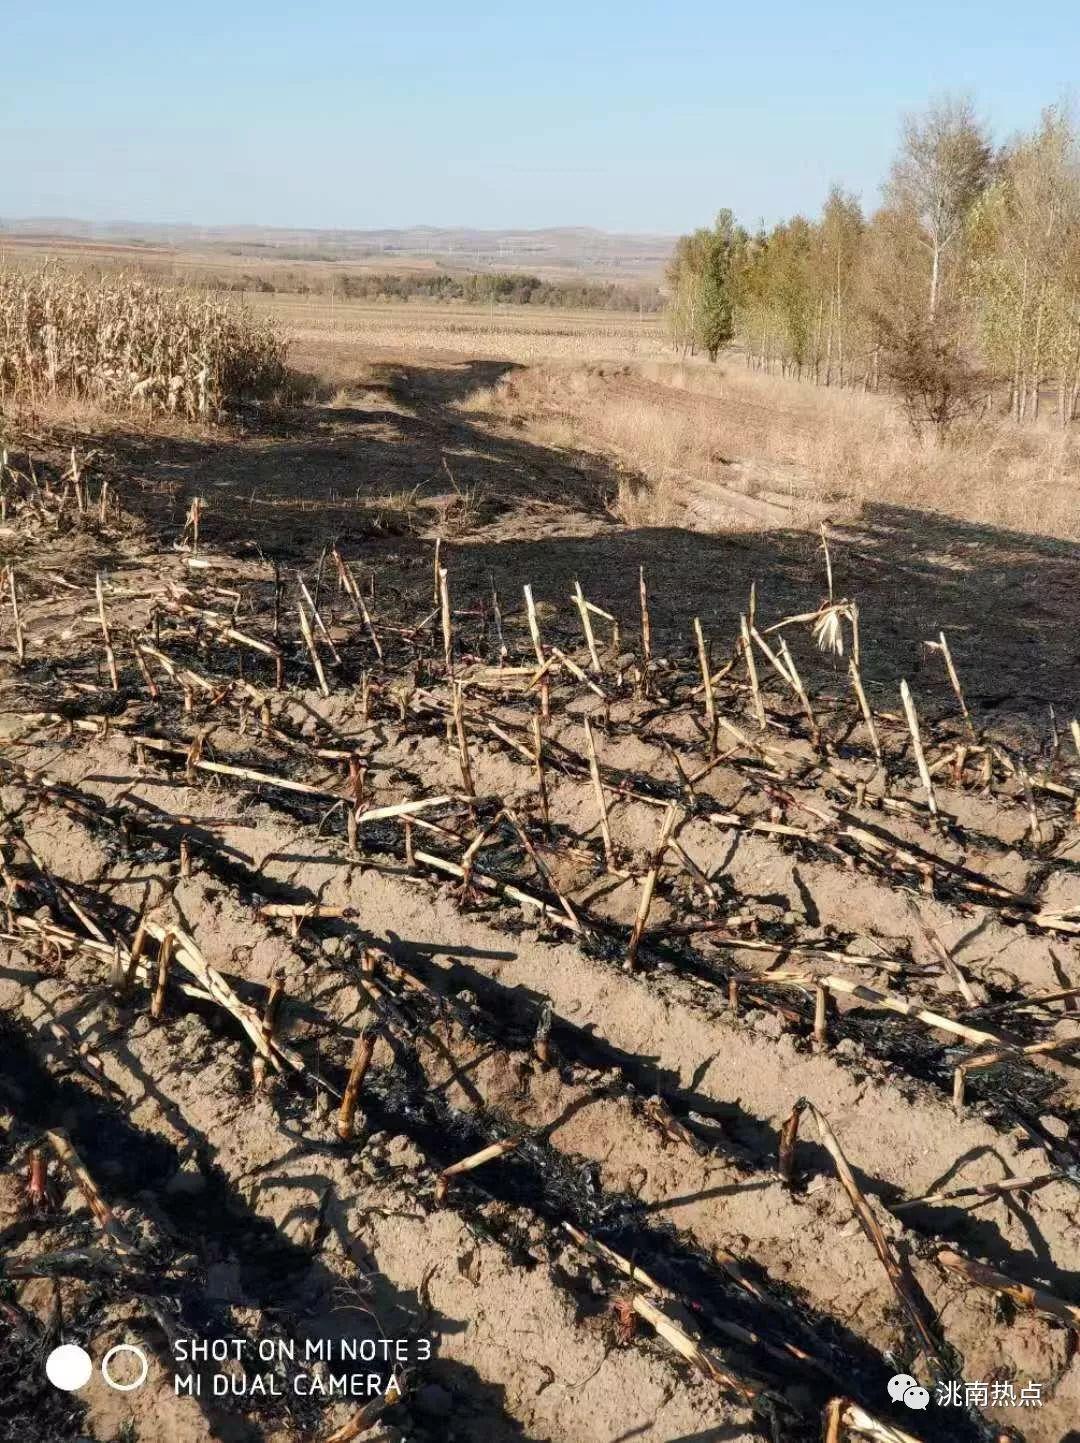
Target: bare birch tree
[{"x": 944, "y": 164}]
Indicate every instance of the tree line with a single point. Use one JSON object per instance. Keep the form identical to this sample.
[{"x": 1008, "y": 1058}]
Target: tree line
[
  {"x": 503, "y": 288},
  {"x": 510, "y": 288},
  {"x": 961, "y": 291}
]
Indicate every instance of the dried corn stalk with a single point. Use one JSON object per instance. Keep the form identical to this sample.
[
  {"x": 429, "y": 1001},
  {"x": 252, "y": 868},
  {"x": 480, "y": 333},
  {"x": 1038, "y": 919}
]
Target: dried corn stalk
[
  {"x": 474, "y": 1160},
  {"x": 907, "y": 1298}
]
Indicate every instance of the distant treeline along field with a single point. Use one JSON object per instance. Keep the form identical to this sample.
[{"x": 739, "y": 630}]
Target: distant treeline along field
[{"x": 513, "y": 288}]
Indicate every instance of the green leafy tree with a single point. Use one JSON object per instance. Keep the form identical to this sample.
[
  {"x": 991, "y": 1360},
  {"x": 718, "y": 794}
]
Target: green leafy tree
[
  {"x": 701, "y": 277},
  {"x": 1026, "y": 266},
  {"x": 840, "y": 235}
]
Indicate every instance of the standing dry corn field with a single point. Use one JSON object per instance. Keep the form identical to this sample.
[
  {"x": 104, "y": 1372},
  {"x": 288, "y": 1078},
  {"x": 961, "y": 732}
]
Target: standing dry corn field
[{"x": 122, "y": 343}]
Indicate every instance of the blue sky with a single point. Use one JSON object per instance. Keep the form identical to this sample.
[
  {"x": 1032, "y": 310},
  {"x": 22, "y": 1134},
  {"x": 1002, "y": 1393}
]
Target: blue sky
[{"x": 629, "y": 116}]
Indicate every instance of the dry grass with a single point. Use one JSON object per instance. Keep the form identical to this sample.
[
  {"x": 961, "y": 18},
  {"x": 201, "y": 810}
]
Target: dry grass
[
  {"x": 840, "y": 448},
  {"x": 862, "y": 446},
  {"x": 121, "y": 343}
]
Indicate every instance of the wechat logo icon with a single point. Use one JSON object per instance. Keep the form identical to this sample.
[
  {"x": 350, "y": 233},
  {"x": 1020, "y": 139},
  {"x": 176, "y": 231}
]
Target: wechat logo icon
[{"x": 903, "y": 1388}]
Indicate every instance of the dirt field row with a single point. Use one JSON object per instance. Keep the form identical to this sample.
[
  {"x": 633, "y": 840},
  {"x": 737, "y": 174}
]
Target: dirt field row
[{"x": 760, "y": 996}]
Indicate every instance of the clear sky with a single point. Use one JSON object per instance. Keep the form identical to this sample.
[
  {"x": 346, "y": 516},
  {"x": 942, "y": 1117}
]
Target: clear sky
[{"x": 626, "y": 116}]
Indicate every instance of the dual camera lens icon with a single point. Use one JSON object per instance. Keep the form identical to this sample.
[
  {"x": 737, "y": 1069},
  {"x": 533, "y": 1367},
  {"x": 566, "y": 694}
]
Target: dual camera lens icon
[{"x": 70, "y": 1367}]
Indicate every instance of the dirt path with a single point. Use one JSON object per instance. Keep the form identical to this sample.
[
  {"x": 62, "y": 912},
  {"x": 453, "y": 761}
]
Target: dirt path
[{"x": 372, "y": 470}]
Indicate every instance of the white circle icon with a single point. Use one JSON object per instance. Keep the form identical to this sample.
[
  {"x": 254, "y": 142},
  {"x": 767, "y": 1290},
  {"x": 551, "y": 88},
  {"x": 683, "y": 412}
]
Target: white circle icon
[
  {"x": 144, "y": 1367},
  {"x": 69, "y": 1367}
]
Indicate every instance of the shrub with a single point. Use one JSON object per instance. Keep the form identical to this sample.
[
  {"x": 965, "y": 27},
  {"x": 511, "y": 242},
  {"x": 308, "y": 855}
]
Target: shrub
[{"x": 936, "y": 380}]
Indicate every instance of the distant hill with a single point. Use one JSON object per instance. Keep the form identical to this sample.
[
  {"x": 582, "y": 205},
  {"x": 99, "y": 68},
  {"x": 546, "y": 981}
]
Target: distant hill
[{"x": 565, "y": 248}]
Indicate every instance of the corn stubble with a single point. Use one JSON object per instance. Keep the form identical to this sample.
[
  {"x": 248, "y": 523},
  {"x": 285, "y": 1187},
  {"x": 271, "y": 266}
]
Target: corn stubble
[{"x": 537, "y": 702}]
